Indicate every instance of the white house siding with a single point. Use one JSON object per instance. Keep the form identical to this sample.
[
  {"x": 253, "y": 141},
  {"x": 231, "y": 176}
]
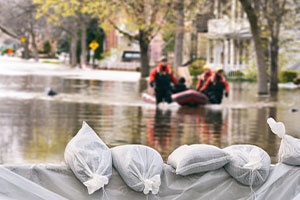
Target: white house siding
[{"x": 229, "y": 53}]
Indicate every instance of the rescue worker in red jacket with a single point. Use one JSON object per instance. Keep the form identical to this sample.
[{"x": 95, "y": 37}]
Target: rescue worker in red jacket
[
  {"x": 204, "y": 77},
  {"x": 162, "y": 77},
  {"x": 215, "y": 86}
]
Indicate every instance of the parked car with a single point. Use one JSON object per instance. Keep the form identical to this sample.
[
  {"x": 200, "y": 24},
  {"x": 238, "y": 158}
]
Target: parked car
[{"x": 129, "y": 56}]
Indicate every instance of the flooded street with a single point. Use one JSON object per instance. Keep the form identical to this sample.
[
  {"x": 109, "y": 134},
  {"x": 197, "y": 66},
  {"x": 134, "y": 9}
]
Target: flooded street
[{"x": 35, "y": 128}]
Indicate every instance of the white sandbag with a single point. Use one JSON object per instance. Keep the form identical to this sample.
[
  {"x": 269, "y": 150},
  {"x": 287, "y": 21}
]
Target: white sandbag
[
  {"x": 139, "y": 166},
  {"x": 89, "y": 158},
  {"x": 289, "y": 150},
  {"x": 190, "y": 159},
  {"x": 249, "y": 164}
]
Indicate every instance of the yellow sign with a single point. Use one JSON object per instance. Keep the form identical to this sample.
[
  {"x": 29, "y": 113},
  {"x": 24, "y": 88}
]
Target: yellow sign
[
  {"x": 94, "y": 45},
  {"x": 23, "y": 39}
]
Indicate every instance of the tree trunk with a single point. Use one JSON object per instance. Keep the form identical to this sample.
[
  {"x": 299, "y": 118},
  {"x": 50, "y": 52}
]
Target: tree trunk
[
  {"x": 260, "y": 60},
  {"x": 274, "y": 64},
  {"x": 144, "y": 46},
  {"x": 274, "y": 22},
  {"x": 179, "y": 33},
  {"x": 74, "y": 48},
  {"x": 26, "y": 50},
  {"x": 34, "y": 46},
  {"x": 83, "y": 44}
]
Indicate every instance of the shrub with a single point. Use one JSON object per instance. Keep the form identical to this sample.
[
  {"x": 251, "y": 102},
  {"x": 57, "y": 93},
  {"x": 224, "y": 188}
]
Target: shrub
[
  {"x": 251, "y": 72},
  {"x": 47, "y": 47},
  {"x": 237, "y": 74},
  {"x": 51, "y": 62},
  {"x": 240, "y": 76},
  {"x": 195, "y": 71},
  {"x": 297, "y": 80},
  {"x": 287, "y": 76},
  {"x": 196, "y": 68},
  {"x": 4, "y": 51}
]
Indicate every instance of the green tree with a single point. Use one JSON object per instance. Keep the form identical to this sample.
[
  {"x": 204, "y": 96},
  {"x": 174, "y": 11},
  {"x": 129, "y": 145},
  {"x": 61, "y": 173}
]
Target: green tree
[
  {"x": 145, "y": 18},
  {"x": 71, "y": 15},
  {"x": 95, "y": 33}
]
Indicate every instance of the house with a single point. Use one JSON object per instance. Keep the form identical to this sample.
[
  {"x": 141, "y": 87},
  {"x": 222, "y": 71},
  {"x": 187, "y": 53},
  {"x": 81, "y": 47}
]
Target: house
[
  {"x": 230, "y": 44},
  {"x": 229, "y": 37}
]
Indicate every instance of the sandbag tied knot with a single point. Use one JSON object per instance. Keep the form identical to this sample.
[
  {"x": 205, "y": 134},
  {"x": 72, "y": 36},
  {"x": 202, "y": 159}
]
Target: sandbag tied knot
[
  {"x": 152, "y": 185},
  {"x": 254, "y": 160},
  {"x": 277, "y": 128},
  {"x": 96, "y": 182}
]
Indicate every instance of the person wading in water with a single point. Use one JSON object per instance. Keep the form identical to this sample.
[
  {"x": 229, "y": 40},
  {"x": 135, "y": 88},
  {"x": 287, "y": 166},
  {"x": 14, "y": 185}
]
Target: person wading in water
[
  {"x": 204, "y": 77},
  {"x": 215, "y": 86},
  {"x": 161, "y": 78}
]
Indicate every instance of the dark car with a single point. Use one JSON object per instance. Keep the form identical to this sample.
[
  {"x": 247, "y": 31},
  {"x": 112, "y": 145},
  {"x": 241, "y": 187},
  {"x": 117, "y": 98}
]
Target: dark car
[{"x": 129, "y": 56}]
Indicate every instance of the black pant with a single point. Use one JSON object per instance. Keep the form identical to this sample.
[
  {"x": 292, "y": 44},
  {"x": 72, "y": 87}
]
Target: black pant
[
  {"x": 161, "y": 95},
  {"x": 215, "y": 96}
]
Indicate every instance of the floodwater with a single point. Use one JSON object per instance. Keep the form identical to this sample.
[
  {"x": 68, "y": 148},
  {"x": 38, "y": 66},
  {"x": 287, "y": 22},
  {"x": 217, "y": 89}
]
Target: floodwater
[{"x": 35, "y": 128}]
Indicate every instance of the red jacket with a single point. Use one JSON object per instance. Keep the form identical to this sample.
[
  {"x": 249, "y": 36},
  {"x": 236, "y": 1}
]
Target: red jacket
[
  {"x": 203, "y": 78},
  {"x": 158, "y": 69},
  {"x": 214, "y": 79}
]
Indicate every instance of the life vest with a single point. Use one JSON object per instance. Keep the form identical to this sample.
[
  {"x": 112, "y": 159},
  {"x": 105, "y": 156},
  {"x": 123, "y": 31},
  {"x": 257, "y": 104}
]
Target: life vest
[{"x": 203, "y": 78}]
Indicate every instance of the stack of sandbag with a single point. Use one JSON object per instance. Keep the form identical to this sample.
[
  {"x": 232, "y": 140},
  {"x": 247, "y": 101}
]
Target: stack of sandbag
[
  {"x": 289, "y": 150},
  {"x": 89, "y": 159},
  {"x": 141, "y": 167},
  {"x": 247, "y": 164}
]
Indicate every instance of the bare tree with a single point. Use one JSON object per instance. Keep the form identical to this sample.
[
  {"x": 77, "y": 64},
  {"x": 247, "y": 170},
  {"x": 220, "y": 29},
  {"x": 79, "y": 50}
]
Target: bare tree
[
  {"x": 188, "y": 10},
  {"x": 249, "y": 8},
  {"x": 22, "y": 22},
  {"x": 274, "y": 11},
  {"x": 268, "y": 15}
]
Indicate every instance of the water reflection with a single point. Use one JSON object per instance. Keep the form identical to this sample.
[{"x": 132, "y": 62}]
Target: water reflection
[
  {"x": 169, "y": 129},
  {"x": 160, "y": 132},
  {"x": 248, "y": 126},
  {"x": 204, "y": 125},
  {"x": 35, "y": 128}
]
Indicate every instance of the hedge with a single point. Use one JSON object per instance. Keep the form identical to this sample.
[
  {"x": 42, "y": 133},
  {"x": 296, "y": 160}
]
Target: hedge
[{"x": 287, "y": 76}]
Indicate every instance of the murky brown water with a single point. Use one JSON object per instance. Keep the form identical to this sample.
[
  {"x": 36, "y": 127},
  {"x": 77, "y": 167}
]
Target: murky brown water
[{"x": 35, "y": 128}]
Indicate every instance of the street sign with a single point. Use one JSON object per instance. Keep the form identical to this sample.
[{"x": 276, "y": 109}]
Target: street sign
[
  {"x": 94, "y": 45},
  {"x": 22, "y": 39}
]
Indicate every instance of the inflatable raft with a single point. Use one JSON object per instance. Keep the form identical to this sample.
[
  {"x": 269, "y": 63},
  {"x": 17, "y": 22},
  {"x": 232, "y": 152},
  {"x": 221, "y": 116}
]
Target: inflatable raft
[{"x": 185, "y": 98}]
